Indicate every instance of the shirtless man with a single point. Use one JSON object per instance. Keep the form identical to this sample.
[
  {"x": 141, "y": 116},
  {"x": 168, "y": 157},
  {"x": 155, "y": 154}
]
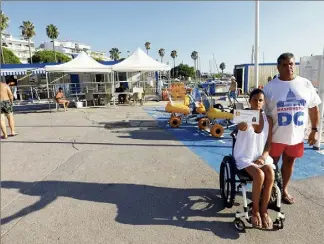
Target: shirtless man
[
  {"x": 60, "y": 99},
  {"x": 6, "y": 100},
  {"x": 233, "y": 89}
]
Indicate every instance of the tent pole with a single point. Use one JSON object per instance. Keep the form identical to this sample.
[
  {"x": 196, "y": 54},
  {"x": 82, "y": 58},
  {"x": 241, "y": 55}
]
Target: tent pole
[
  {"x": 113, "y": 88},
  {"x": 48, "y": 93}
]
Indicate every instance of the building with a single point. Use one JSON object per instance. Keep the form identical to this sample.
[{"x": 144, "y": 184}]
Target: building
[
  {"x": 20, "y": 47},
  {"x": 72, "y": 48},
  {"x": 244, "y": 74}
]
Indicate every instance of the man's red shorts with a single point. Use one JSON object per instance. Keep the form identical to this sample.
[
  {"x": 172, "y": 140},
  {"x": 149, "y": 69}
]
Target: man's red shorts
[{"x": 294, "y": 151}]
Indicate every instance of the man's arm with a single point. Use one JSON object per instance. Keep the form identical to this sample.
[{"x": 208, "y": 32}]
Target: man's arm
[
  {"x": 314, "y": 116},
  {"x": 10, "y": 94},
  {"x": 313, "y": 109}
]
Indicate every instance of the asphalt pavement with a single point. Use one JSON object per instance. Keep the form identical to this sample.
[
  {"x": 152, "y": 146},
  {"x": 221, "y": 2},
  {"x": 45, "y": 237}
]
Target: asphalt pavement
[{"x": 113, "y": 175}]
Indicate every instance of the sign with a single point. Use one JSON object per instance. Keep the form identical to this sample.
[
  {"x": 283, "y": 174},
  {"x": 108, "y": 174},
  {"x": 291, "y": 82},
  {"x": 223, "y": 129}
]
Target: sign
[
  {"x": 250, "y": 117},
  {"x": 310, "y": 67}
]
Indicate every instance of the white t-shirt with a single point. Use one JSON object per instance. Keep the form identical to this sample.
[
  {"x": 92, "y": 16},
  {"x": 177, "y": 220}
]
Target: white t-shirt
[
  {"x": 249, "y": 146},
  {"x": 287, "y": 103}
]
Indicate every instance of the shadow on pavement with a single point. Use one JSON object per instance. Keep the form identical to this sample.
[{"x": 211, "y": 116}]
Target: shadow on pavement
[
  {"x": 57, "y": 126},
  {"x": 136, "y": 204},
  {"x": 129, "y": 124},
  {"x": 159, "y": 134},
  {"x": 113, "y": 144}
]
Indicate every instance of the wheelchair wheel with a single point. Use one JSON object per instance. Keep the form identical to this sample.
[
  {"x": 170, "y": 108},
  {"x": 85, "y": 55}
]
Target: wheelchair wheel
[
  {"x": 227, "y": 181},
  {"x": 217, "y": 130},
  {"x": 239, "y": 225},
  {"x": 203, "y": 123},
  {"x": 175, "y": 122}
]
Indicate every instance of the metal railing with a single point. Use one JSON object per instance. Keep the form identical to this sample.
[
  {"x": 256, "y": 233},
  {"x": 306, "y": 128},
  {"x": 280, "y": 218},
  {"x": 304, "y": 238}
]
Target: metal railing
[{"x": 43, "y": 93}]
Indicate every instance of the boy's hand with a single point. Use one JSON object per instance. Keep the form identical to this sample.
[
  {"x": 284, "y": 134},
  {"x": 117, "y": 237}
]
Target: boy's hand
[
  {"x": 242, "y": 126},
  {"x": 259, "y": 161}
]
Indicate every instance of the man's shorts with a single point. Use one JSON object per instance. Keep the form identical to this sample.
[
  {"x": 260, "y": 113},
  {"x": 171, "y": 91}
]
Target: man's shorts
[
  {"x": 232, "y": 94},
  {"x": 294, "y": 151},
  {"x": 6, "y": 107}
]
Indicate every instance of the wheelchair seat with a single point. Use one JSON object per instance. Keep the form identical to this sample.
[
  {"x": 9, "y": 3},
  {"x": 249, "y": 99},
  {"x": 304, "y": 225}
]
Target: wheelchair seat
[{"x": 243, "y": 175}]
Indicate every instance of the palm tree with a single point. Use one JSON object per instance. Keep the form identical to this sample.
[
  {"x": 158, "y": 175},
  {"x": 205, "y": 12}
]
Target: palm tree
[
  {"x": 114, "y": 53},
  {"x": 174, "y": 54},
  {"x": 161, "y": 53},
  {"x": 222, "y": 66},
  {"x": 194, "y": 56},
  {"x": 28, "y": 31},
  {"x": 147, "y": 46},
  {"x": 4, "y": 20},
  {"x": 52, "y": 33}
]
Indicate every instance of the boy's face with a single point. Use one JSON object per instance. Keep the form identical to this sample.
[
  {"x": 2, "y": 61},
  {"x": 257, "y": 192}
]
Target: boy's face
[{"x": 257, "y": 101}]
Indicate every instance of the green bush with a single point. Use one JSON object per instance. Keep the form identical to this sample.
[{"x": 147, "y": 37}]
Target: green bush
[
  {"x": 10, "y": 57},
  {"x": 47, "y": 56}
]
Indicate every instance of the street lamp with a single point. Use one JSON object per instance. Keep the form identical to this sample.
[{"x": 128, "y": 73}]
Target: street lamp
[
  {"x": 256, "y": 53},
  {"x": 1, "y": 52}
]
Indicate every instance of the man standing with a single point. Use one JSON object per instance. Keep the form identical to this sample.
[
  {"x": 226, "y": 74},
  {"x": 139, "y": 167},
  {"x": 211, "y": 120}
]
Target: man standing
[
  {"x": 6, "y": 100},
  {"x": 233, "y": 89},
  {"x": 290, "y": 100}
]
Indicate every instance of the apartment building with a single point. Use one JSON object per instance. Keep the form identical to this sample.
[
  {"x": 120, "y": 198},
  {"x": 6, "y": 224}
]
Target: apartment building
[
  {"x": 72, "y": 48},
  {"x": 20, "y": 47}
]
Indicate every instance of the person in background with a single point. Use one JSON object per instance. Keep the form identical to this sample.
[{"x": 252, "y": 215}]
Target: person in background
[
  {"x": 13, "y": 82},
  {"x": 233, "y": 89},
  {"x": 6, "y": 101},
  {"x": 269, "y": 78},
  {"x": 290, "y": 101},
  {"x": 60, "y": 99},
  {"x": 121, "y": 97}
]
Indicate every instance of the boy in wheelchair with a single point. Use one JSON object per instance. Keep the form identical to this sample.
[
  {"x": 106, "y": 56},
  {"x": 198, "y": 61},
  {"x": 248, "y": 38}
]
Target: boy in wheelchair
[{"x": 252, "y": 162}]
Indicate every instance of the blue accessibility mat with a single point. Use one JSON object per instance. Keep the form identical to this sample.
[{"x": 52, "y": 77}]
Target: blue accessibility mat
[{"x": 212, "y": 150}]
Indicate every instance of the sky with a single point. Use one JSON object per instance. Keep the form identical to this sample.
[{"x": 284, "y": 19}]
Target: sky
[{"x": 224, "y": 30}]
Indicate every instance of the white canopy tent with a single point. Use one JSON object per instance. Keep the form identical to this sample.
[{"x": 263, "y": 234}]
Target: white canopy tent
[
  {"x": 140, "y": 61},
  {"x": 83, "y": 63}
]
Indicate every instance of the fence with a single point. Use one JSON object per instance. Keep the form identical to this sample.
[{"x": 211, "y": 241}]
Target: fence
[{"x": 101, "y": 93}]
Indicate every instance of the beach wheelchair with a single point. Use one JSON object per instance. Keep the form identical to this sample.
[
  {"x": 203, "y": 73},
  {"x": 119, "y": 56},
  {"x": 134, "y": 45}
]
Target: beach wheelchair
[
  {"x": 215, "y": 119},
  {"x": 231, "y": 180},
  {"x": 189, "y": 109}
]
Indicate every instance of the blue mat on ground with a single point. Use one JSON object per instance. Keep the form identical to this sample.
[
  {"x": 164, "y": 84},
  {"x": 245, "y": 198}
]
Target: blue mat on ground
[{"x": 212, "y": 150}]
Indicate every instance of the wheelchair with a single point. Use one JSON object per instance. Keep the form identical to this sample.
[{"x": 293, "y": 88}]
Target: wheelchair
[{"x": 232, "y": 180}]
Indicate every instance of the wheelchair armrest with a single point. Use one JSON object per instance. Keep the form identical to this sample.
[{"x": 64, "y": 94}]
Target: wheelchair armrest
[{"x": 234, "y": 133}]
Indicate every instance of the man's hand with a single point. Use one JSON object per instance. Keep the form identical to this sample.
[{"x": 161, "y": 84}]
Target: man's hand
[
  {"x": 312, "y": 138},
  {"x": 242, "y": 126}
]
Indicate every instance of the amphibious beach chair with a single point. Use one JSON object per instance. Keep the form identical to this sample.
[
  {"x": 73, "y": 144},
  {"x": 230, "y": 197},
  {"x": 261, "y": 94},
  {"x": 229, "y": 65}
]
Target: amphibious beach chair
[
  {"x": 190, "y": 109},
  {"x": 214, "y": 118}
]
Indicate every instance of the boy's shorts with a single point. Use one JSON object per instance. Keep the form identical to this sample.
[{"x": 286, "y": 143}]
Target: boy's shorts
[{"x": 294, "y": 151}]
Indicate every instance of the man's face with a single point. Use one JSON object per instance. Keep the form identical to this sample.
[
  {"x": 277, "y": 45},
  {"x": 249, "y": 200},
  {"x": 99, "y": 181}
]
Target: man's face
[{"x": 286, "y": 68}]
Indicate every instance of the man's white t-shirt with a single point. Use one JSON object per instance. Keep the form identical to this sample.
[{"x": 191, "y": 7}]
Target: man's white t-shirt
[{"x": 287, "y": 103}]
